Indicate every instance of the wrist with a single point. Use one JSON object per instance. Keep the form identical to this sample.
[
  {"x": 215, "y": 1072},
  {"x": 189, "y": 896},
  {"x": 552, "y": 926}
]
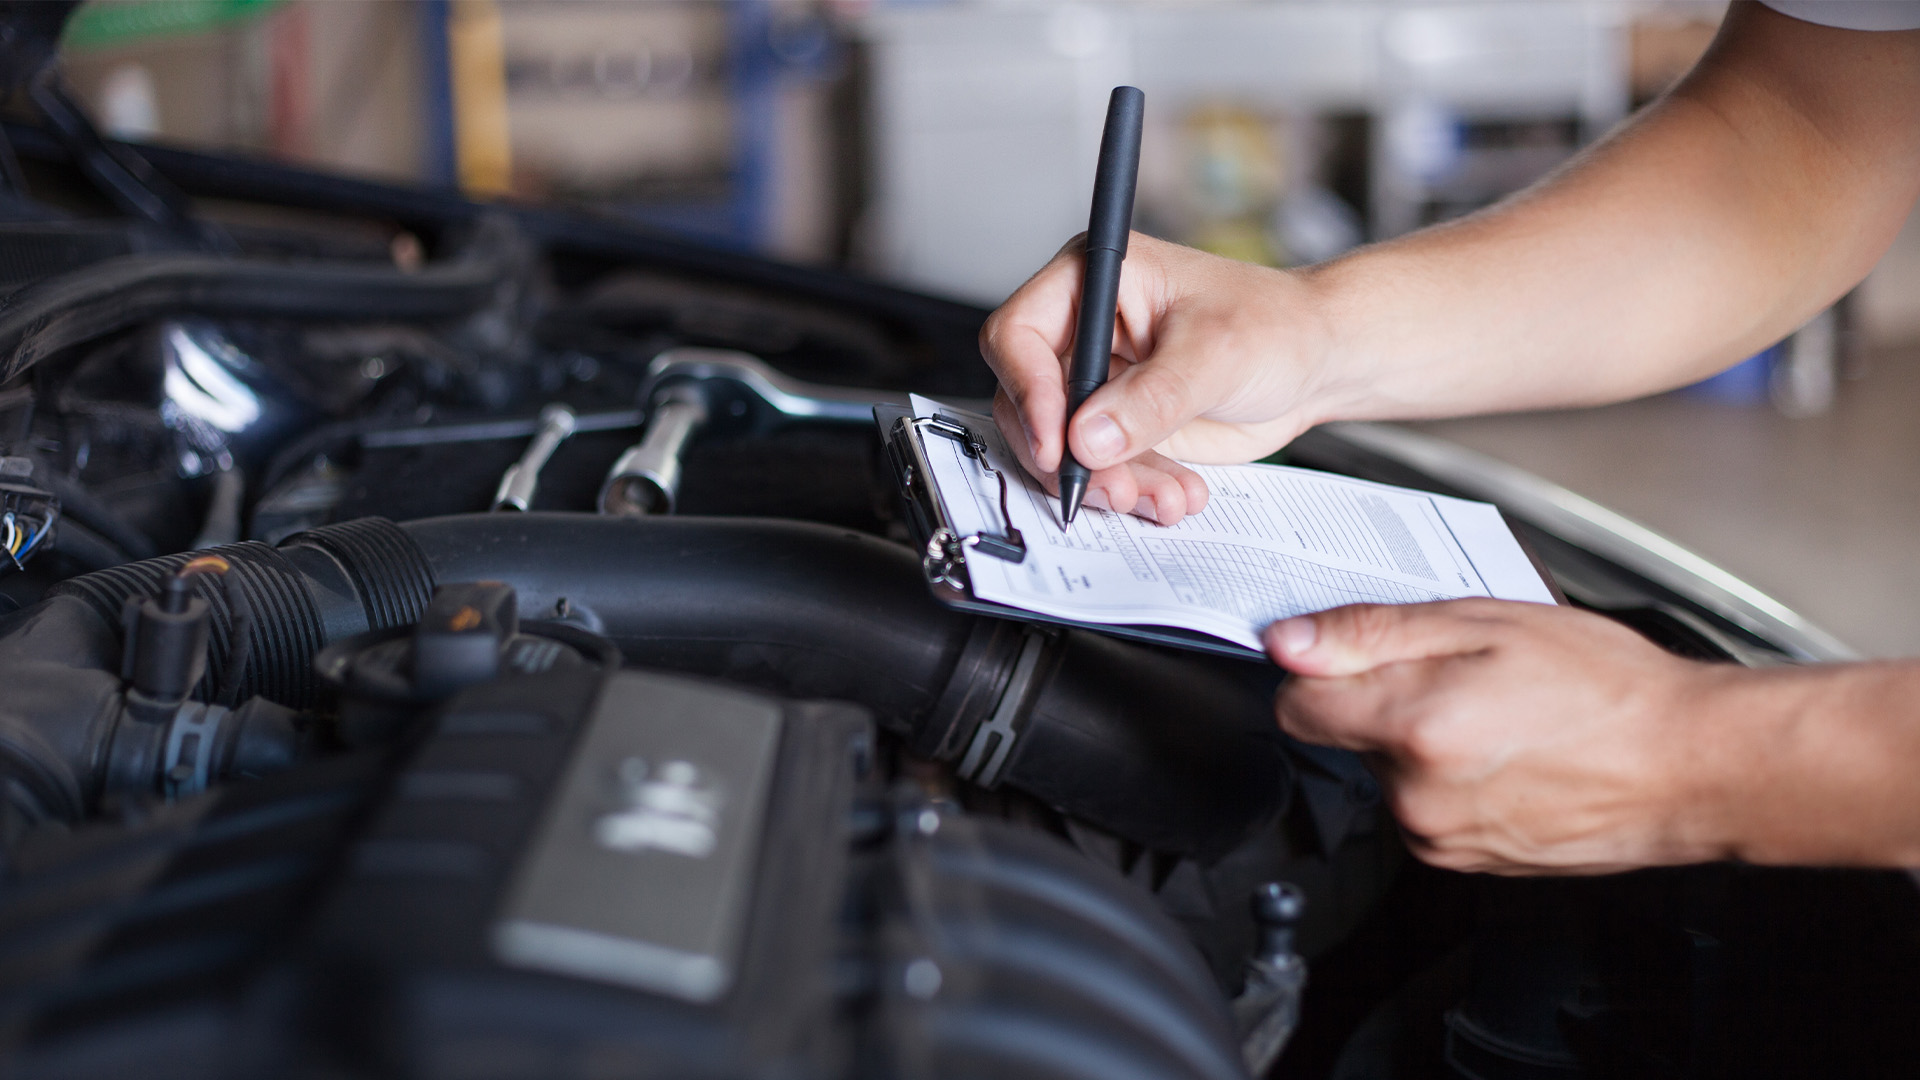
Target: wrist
[
  {"x": 1715, "y": 761},
  {"x": 1805, "y": 766},
  {"x": 1345, "y": 370}
]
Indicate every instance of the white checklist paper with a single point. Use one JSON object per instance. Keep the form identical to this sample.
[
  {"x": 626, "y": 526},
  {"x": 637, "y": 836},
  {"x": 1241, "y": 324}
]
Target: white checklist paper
[{"x": 1272, "y": 542}]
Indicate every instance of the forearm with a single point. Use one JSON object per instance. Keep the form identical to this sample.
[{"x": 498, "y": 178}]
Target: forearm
[
  {"x": 1711, "y": 226},
  {"x": 1809, "y": 766}
]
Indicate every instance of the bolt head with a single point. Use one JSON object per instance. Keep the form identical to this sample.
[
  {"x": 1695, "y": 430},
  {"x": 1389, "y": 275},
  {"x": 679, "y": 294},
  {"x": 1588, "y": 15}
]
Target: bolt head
[
  {"x": 923, "y": 978},
  {"x": 1277, "y": 902}
]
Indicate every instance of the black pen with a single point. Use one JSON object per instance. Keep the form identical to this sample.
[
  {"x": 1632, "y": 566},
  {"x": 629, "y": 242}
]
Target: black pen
[{"x": 1113, "y": 183}]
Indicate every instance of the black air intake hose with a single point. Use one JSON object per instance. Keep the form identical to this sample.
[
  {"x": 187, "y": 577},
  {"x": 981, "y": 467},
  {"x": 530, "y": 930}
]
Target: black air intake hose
[
  {"x": 314, "y": 588},
  {"x": 66, "y": 742},
  {"x": 1174, "y": 751},
  {"x": 803, "y": 609}
]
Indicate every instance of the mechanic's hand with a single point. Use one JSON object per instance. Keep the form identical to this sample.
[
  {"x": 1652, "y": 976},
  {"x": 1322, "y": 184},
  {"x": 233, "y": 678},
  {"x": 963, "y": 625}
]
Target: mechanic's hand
[
  {"x": 1213, "y": 361},
  {"x": 1511, "y": 737}
]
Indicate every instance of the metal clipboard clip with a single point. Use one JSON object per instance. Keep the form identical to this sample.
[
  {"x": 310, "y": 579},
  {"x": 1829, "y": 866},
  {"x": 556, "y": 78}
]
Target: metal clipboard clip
[{"x": 944, "y": 558}]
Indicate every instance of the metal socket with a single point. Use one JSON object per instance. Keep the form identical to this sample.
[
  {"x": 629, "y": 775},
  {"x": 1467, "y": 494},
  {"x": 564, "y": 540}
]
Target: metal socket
[
  {"x": 646, "y": 479},
  {"x": 522, "y": 478}
]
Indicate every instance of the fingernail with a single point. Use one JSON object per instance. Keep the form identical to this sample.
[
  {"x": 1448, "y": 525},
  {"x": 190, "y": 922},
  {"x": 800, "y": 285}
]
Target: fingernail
[
  {"x": 1103, "y": 437},
  {"x": 1147, "y": 508},
  {"x": 1294, "y": 636}
]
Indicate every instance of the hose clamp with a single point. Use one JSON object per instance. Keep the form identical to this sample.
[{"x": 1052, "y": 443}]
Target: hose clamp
[
  {"x": 993, "y": 740},
  {"x": 187, "y": 764}
]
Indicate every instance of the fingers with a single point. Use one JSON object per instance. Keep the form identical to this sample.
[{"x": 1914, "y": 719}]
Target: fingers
[
  {"x": 1031, "y": 381},
  {"x": 1408, "y": 750},
  {"x": 1023, "y": 342},
  {"x": 1188, "y": 487},
  {"x": 1151, "y": 486},
  {"x": 1356, "y": 713},
  {"x": 1157, "y": 488},
  {"x": 1027, "y": 341},
  {"x": 1507, "y": 737},
  {"x": 1227, "y": 359},
  {"x": 1358, "y": 666},
  {"x": 1006, "y": 416},
  {"x": 1362, "y": 637},
  {"x": 1135, "y": 411},
  {"x": 1145, "y": 404}
]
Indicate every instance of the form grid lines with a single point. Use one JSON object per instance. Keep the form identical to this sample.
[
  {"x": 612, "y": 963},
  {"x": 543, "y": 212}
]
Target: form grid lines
[
  {"x": 1095, "y": 529},
  {"x": 1262, "y": 586}
]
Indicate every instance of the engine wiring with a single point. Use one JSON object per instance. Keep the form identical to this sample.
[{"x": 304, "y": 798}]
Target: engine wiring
[
  {"x": 27, "y": 514},
  {"x": 23, "y": 534}
]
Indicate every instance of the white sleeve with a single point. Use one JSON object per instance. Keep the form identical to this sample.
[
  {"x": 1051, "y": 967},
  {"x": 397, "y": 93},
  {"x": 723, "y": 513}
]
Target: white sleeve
[{"x": 1853, "y": 14}]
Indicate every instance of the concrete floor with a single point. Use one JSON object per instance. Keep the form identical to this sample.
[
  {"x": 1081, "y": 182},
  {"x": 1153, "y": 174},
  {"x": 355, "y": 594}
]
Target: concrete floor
[{"x": 1822, "y": 512}]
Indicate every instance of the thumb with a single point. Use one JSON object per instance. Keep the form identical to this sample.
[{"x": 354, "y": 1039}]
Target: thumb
[
  {"x": 1360, "y": 637},
  {"x": 1133, "y": 413}
]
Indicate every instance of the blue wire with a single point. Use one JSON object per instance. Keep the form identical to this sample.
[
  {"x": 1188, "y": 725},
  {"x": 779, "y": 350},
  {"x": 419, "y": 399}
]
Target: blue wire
[{"x": 29, "y": 545}]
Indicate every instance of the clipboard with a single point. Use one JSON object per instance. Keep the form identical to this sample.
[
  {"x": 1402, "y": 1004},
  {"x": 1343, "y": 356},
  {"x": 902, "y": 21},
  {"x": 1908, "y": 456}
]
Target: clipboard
[{"x": 945, "y": 550}]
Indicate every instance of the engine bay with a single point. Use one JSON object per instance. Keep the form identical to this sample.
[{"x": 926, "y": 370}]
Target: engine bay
[{"x": 452, "y": 641}]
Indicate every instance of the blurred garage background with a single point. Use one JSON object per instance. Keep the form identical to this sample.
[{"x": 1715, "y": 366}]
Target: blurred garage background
[{"x": 948, "y": 146}]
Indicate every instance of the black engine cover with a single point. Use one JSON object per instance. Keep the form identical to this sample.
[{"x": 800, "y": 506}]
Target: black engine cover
[{"x": 586, "y": 874}]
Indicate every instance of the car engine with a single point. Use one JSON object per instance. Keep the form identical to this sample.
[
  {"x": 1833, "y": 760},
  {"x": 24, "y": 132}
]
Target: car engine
[{"x": 443, "y": 640}]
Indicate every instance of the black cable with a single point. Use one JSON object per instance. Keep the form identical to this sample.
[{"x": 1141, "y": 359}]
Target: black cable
[
  {"x": 118, "y": 293},
  {"x": 81, "y": 505},
  {"x": 84, "y": 546}
]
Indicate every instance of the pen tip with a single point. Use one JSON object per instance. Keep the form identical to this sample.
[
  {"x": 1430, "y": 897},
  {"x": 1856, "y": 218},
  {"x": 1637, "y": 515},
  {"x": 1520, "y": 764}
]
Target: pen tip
[{"x": 1072, "y": 490}]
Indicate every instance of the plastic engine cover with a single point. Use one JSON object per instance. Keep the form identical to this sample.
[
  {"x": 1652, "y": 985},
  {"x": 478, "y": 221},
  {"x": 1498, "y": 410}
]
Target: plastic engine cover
[{"x": 576, "y": 874}]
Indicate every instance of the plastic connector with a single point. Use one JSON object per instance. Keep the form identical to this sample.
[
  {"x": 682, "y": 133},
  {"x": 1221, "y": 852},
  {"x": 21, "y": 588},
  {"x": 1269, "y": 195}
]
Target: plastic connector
[
  {"x": 459, "y": 638},
  {"x": 27, "y": 513},
  {"x": 165, "y": 653}
]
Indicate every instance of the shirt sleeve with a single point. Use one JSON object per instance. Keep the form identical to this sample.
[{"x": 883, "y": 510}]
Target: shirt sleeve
[{"x": 1853, "y": 14}]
